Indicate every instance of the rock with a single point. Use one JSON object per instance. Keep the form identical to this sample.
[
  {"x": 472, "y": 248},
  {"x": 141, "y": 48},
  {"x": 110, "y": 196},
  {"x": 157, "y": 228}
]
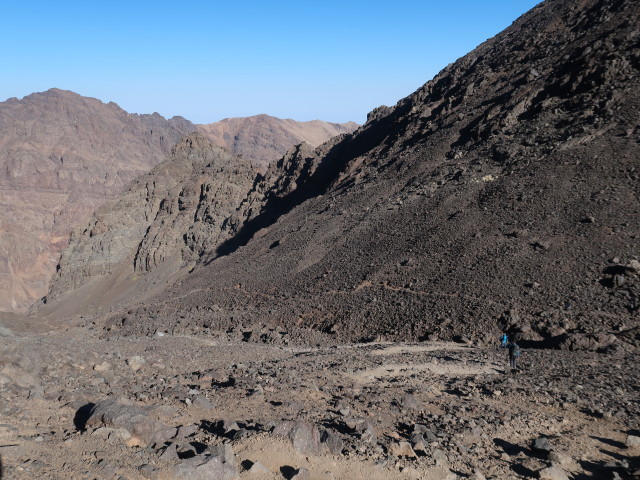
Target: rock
[
  {"x": 258, "y": 468},
  {"x": 476, "y": 475},
  {"x": 401, "y": 449},
  {"x": 542, "y": 444},
  {"x": 223, "y": 451},
  {"x": 144, "y": 430},
  {"x": 185, "y": 431},
  {"x": 304, "y": 436},
  {"x": 301, "y": 474},
  {"x": 632, "y": 441},
  {"x": 420, "y": 429},
  {"x": 136, "y": 363},
  {"x": 552, "y": 473},
  {"x": 119, "y": 434},
  {"x": 202, "y": 402},
  {"x": 332, "y": 442},
  {"x": 559, "y": 459},
  {"x": 101, "y": 367},
  {"x": 205, "y": 467},
  {"x": 410, "y": 402},
  {"x": 369, "y": 436},
  {"x": 440, "y": 458},
  {"x": 170, "y": 453}
]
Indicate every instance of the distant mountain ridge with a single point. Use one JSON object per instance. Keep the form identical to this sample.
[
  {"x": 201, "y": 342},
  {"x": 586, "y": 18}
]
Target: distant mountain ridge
[
  {"x": 63, "y": 155},
  {"x": 263, "y": 138}
]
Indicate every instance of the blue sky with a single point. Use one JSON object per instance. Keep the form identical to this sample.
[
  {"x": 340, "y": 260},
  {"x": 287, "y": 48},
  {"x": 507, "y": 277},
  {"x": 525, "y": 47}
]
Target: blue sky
[{"x": 207, "y": 60}]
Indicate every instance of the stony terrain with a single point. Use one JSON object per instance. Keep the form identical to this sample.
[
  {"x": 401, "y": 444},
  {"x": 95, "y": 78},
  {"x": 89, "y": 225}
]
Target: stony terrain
[
  {"x": 264, "y": 139},
  {"x": 248, "y": 403}
]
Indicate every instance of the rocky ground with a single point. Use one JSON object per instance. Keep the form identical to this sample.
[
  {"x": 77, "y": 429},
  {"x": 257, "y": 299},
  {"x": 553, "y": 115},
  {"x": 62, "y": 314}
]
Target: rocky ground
[{"x": 237, "y": 405}]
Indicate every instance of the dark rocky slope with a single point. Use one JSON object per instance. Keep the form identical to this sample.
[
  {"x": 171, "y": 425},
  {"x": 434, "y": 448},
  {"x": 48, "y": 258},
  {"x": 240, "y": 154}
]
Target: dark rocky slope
[{"x": 503, "y": 194}]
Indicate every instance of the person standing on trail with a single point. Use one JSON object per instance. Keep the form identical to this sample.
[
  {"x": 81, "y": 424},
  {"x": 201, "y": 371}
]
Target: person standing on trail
[
  {"x": 514, "y": 353},
  {"x": 504, "y": 340}
]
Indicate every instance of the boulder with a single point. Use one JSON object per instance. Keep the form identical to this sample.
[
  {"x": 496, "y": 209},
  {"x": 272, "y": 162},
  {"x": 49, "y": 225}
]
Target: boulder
[
  {"x": 632, "y": 441},
  {"x": 552, "y": 473},
  {"x": 332, "y": 442},
  {"x": 542, "y": 444},
  {"x": 402, "y": 449},
  {"x": 205, "y": 467},
  {"x": 304, "y": 436},
  {"x": 144, "y": 430},
  {"x": 561, "y": 460},
  {"x": 258, "y": 468},
  {"x": 301, "y": 474}
]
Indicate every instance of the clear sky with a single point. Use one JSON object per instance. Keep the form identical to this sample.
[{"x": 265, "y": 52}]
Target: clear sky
[{"x": 207, "y": 60}]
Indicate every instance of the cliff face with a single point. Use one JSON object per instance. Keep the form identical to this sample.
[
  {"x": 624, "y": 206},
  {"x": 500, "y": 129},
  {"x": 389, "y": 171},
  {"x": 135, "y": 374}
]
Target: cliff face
[
  {"x": 166, "y": 218},
  {"x": 502, "y": 194},
  {"x": 264, "y": 139},
  {"x": 61, "y": 156}
]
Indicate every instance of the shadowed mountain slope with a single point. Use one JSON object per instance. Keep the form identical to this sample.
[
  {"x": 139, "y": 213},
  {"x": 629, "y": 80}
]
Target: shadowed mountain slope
[{"x": 503, "y": 194}]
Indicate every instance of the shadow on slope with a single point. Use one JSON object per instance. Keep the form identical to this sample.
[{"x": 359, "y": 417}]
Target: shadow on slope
[{"x": 331, "y": 165}]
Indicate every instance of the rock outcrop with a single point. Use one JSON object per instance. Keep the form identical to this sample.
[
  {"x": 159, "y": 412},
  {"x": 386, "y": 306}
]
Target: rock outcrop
[{"x": 168, "y": 217}]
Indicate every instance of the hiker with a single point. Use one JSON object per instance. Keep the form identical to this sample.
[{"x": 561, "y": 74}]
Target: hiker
[
  {"x": 514, "y": 353},
  {"x": 504, "y": 340}
]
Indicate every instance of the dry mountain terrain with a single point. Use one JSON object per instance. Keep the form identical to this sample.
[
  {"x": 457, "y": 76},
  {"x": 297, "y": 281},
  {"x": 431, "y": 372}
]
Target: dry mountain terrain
[
  {"x": 503, "y": 194},
  {"x": 263, "y": 138},
  {"x": 293, "y": 325},
  {"x": 63, "y": 155}
]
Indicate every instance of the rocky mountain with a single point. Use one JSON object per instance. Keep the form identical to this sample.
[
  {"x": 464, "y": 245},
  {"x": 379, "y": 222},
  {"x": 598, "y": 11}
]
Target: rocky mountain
[
  {"x": 63, "y": 155},
  {"x": 263, "y": 138},
  {"x": 200, "y": 324},
  {"x": 503, "y": 194},
  {"x": 164, "y": 221}
]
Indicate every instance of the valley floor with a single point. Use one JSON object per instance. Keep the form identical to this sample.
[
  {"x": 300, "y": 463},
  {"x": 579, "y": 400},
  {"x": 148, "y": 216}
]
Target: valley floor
[{"x": 377, "y": 410}]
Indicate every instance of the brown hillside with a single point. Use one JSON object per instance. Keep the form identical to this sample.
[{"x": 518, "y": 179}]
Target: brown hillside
[
  {"x": 62, "y": 156},
  {"x": 503, "y": 194},
  {"x": 263, "y": 138}
]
